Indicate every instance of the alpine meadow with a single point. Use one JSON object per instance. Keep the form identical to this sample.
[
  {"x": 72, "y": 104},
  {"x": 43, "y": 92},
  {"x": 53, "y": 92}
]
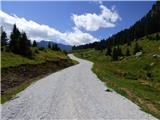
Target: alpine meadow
[{"x": 86, "y": 60}]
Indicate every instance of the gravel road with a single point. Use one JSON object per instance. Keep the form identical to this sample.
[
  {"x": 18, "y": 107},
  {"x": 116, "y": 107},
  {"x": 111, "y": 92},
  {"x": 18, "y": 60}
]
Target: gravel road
[{"x": 72, "y": 93}]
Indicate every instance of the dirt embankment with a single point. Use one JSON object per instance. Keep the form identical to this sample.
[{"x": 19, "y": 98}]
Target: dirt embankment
[{"x": 15, "y": 76}]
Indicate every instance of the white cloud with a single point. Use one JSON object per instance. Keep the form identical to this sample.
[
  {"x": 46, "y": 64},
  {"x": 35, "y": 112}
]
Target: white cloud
[
  {"x": 78, "y": 37},
  {"x": 36, "y": 31},
  {"x": 92, "y": 22}
]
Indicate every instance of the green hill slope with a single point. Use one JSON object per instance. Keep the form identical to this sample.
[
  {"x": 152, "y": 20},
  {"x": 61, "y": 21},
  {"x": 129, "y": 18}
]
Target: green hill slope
[
  {"x": 10, "y": 59},
  {"x": 18, "y": 72},
  {"x": 137, "y": 78}
]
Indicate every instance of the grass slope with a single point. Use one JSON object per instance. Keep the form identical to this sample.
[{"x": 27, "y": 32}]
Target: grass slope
[
  {"x": 19, "y": 72},
  {"x": 136, "y": 78},
  {"x": 9, "y": 59}
]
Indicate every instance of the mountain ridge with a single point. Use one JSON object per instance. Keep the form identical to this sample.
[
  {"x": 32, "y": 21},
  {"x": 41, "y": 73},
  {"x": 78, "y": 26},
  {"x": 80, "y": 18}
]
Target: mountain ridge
[{"x": 44, "y": 43}]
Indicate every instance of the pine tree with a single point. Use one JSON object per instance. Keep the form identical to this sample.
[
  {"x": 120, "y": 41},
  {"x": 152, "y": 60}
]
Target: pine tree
[
  {"x": 115, "y": 54},
  {"x": 129, "y": 43},
  {"x": 119, "y": 51},
  {"x": 109, "y": 51},
  {"x": 127, "y": 52},
  {"x": 55, "y": 47},
  {"x": 137, "y": 48},
  {"x": 14, "y": 42},
  {"x": 3, "y": 37},
  {"x": 34, "y": 44},
  {"x": 24, "y": 45},
  {"x": 49, "y": 45},
  {"x": 157, "y": 37}
]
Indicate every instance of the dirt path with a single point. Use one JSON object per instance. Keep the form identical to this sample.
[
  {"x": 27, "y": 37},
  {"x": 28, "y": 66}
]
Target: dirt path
[{"x": 72, "y": 93}]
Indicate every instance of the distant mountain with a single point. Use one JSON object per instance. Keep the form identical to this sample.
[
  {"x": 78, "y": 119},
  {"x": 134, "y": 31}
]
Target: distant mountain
[{"x": 44, "y": 44}]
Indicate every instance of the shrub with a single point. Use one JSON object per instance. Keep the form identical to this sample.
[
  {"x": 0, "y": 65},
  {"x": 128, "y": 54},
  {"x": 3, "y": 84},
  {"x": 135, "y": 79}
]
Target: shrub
[
  {"x": 131, "y": 76},
  {"x": 36, "y": 51},
  {"x": 41, "y": 48},
  {"x": 149, "y": 74}
]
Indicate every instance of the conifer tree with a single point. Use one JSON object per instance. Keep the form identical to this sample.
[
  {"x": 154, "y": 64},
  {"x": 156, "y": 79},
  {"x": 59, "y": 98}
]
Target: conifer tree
[
  {"x": 109, "y": 51},
  {"x": 3, "y": 37},
  {"x": 34, "y": 44},
  {"x": 157, "y": 37},
  {"x": 127, "y": 52},
  {"x": 24, "y": 45},
  {"x": 49, "y": 45},
  {"x": 55, "y": 47},
  {"x": 115, "y": 54},
  {"x": 15, "y": 37},
  {"x": 137, "y": 48},
  {"x": 19, "y": 43},
  {"x": 119, "y": 51}
]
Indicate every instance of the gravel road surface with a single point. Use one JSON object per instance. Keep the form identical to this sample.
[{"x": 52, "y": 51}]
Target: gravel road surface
[{"x": 72, "y": 93}]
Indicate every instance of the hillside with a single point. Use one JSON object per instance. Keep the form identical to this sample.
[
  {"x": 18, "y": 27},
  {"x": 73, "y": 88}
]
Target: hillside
[
  {"x": 137, "y": 78},
  {"x": 10, "y": 59},
  {"x": 18, "y": 72},
  {"x": 146, "y": 25}
]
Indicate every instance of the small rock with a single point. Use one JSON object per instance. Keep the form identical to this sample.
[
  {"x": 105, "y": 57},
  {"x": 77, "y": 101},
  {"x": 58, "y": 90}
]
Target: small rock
[
  {"x": 121, "y": 58},
  {"x": 108, "y": 90},
  {"x": 138, "y": 54},
  {"x": 152, "y": 64},
  {"x": 156, "y": 56}
]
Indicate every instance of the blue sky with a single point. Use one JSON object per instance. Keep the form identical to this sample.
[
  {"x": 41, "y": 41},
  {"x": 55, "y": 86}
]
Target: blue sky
[{"x": 64, "y": 27}]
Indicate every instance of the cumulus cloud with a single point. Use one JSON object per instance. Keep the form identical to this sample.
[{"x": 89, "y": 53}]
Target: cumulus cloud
[
  {"x": 92, "y": 21},
  {"x": 36, "y": 31},
  {"x": 79, "y": 37}
]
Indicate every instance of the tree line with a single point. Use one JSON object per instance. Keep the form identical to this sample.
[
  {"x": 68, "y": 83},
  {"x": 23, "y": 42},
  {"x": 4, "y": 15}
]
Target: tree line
[
  {"x": 147, "y": 25},
  {"x": 19, "y": 42},
  {"x": 116, "y": 52}
]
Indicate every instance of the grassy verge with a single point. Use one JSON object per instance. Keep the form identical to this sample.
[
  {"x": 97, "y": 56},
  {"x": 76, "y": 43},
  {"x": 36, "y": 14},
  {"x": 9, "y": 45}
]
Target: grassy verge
[
  {"x": 18, "y": 72},
  {"x": 11, "y": 92},
  {"x": 9, "y": 59},
  {"x": 129, "y": 76}
]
